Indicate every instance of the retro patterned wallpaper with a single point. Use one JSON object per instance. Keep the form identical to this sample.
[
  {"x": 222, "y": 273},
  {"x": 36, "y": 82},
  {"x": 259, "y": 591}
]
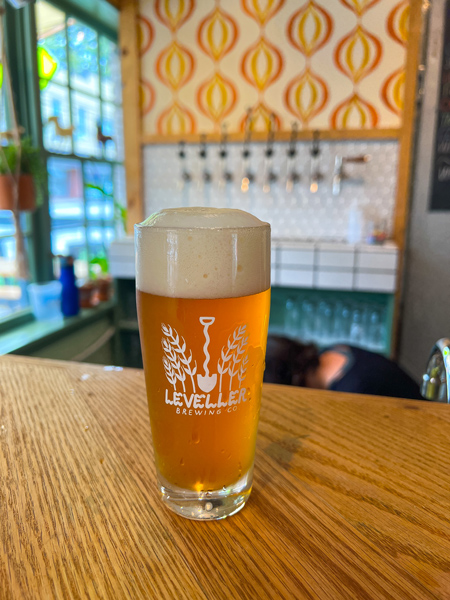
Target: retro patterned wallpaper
[{"x": 327, "y": 64}]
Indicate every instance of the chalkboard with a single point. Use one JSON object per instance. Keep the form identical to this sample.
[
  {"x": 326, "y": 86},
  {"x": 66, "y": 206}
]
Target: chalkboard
[{"x": 440, "y": 196}]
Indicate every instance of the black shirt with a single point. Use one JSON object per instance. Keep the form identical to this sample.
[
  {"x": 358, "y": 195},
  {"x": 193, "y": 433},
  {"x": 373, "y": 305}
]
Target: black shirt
[{"x": 370, "y": 373}]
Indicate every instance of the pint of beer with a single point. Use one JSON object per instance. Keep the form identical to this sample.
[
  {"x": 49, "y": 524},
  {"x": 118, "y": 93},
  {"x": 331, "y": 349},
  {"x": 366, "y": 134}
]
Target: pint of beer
[{"x": 203, "y": 296}]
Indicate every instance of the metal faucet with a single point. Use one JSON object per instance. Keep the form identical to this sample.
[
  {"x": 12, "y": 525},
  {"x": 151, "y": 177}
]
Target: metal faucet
[
  {"x": 248, "y": 176},
  {"x": 185, "y": 176},
  {"x": 293, "y": 176},
  {"x": 269, "y": 176},
  {"x": 206, "y": 176},
  {"x": 225, "y": 175},
  {"x": 315, "y": 174},
  {"x": 436, "y": 380},
  {"x": 339, "y": 174}
]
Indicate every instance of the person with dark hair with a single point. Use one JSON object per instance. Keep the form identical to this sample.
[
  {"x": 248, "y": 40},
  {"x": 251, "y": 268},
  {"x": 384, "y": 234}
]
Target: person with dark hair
[{"x": 341, "y": 368}]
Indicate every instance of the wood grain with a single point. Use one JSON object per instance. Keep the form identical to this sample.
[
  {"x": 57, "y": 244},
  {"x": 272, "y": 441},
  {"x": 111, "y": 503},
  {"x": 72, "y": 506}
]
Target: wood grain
[
  {"x": 279, "y": 136},
  {"x": 351, "y": 497},
  {"x": 130, "y": 66}
]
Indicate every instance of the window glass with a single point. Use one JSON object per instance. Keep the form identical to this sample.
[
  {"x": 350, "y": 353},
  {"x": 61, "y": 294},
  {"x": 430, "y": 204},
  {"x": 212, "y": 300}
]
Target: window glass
[
  {"x": 51, "y": 42},
  {"x": 55, "y": 110},
  {"x": 83, "y": 57},
  {"x": 83, "y": 136},
  {"x": 86, "y": 119},
  {"x": 110, "y": 71}
]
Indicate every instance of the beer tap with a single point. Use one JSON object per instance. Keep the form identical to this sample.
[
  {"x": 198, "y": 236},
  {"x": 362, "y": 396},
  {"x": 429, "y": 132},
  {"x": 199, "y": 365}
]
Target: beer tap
[
  {"x": 293, "y": 176},
  {"x": 269, "y": 175},
  {"x": 225, "y": 175},
  {"x": 205, "y": 177},
  {"x": 340, "y": 175},
  {"x": 315, "y": 174},
  {"x": 248, "y": 176},
  {"x": 185, "y": 176}
]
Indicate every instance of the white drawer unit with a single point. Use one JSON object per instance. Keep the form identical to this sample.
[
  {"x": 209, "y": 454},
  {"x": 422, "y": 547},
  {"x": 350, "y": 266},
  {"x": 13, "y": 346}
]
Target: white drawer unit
[
  {"x": 368, "y": 281},
  {"x": 121, "y": 258},
  {"x": 294, "y": 257},
  {"x": 338, "y": 259},
  {"x": 295, "y": 278},
  {"x": 334, "y": 280},
  {"x": 336, "y": 266},
  {"x": 380, "y": 261},
  {"x": 304, "y": 265}
]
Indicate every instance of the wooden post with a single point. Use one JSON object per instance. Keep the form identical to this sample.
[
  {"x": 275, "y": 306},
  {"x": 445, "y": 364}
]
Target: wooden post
[
  {"x": 401, "y": 215},
  {"x": 131, "y": 113}
]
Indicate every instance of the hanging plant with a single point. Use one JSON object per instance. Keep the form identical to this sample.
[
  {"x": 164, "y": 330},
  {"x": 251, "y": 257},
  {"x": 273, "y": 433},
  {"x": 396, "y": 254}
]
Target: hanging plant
[{"x": 25, "y": 160}]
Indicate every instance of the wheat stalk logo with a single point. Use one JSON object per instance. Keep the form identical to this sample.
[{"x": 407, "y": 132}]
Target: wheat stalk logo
[
  {"x": 232, "y": 355},
  {"x": 242, "y": 370},
  {"x": 177, "y": 364}
]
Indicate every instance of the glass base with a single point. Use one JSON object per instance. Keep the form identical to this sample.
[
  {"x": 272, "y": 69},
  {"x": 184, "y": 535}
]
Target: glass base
[{"x": 207, "y": 505}]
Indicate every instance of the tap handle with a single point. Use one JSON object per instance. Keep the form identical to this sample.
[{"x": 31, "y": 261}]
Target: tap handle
[
  {"x": 202, "y": 151},
  {"x": 292, "y": 148},
  {"x": 361, "y": 158},
  {"x": 270, "y": 136},
  {"x": 223, "y": 153},
  {"x": 315, "y": 148},
  {"x": 181, "y": 150}
]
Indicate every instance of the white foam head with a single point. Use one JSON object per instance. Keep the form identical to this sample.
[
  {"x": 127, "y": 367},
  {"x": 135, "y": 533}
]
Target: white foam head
[{"x": 202, "y": 253}]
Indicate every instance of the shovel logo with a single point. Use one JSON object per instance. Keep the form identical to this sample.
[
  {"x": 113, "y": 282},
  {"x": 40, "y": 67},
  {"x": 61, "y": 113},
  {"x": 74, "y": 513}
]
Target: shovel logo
[
  {"x": 206, "y": 382},
  {"x": 181, "y": 371}
]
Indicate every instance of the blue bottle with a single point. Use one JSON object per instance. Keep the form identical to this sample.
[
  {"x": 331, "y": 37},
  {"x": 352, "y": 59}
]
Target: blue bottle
[{"x": 70, "y": 302}]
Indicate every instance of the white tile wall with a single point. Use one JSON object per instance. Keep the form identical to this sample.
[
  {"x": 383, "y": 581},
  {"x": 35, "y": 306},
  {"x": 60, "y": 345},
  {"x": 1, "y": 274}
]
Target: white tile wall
[{"x": 299, "y": 214}]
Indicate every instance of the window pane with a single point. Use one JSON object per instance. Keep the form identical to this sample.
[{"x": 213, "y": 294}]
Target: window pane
[
  {"x": 56, "y": 119},
  {"x": 86, "y": 117},
  {"x": 99, "y": 192},
  {"x": 83, "y": 57},
  {"x": 112, "y": 127},
  {"x": 110, "y": 71},
  {"x": 6, "y": 223},
  {"x": 120, "y": 200},
  {"x": 7, "y": 257},
  {"x": 65, "y": 185},
  {"x": 13, "y": 294},
  {"x": 51, "y": 44}
]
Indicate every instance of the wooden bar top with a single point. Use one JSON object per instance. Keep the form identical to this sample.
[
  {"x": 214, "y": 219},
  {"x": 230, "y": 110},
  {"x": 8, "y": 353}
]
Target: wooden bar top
[{"x": 351, "y": 496}]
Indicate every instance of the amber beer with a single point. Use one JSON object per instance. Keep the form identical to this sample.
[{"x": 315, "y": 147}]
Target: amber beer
[{"x": 203, "y": 295}]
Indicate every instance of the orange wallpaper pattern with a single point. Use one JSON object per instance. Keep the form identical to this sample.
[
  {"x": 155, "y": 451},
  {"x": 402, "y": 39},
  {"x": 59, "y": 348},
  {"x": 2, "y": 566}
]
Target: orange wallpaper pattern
[{"x": 326, "y": 64}]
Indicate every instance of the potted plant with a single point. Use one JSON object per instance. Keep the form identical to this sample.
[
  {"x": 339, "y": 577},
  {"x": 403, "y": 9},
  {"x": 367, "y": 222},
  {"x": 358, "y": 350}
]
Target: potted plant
[{"x": 31, "y": 179}]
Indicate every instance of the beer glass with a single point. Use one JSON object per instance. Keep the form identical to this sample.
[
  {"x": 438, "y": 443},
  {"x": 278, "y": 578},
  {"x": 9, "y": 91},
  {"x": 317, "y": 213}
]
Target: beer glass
[{"x": 203, "y": 297}]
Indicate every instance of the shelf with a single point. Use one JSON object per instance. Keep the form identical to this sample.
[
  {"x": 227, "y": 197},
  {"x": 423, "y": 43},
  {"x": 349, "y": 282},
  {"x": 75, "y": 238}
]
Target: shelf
[{"x": 128, "y": 325}]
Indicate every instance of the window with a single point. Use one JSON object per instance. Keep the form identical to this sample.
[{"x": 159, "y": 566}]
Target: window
[
  {"x": 79, "y": 80},
  {"x": 12, "y": 290}
]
